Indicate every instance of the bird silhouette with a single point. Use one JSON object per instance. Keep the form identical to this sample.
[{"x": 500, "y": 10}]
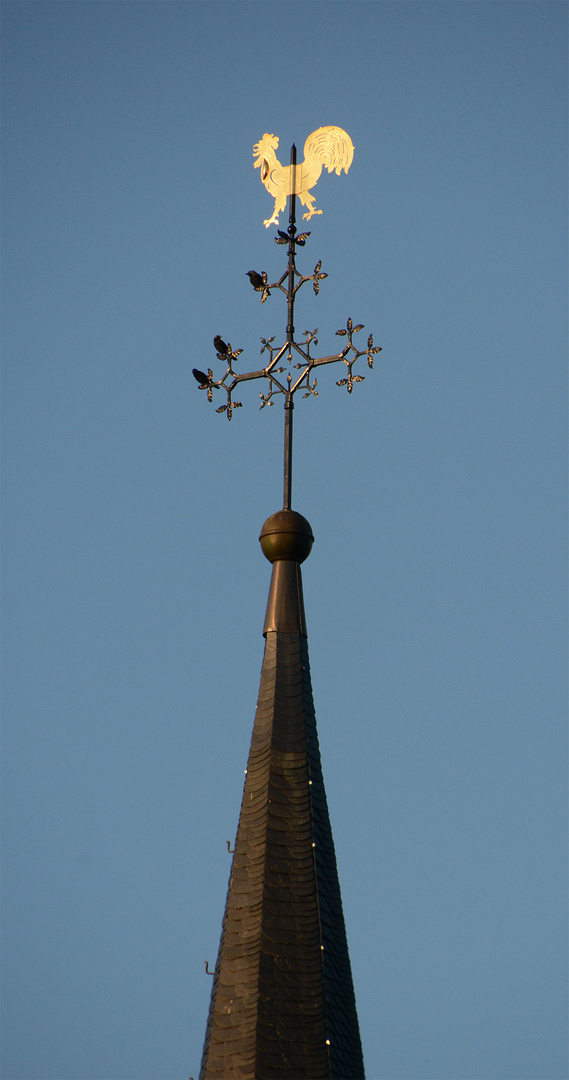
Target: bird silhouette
[
  {"x": 200, "y": 376},
  {"x": 259, "y": 283},
  {"x": 255, "y": 279},
  {"x": 220, "y": 345}
]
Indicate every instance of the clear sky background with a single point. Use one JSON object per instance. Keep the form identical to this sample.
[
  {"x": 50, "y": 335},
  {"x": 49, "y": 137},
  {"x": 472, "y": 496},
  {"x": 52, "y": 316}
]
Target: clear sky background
[{"x": 135, "y": 587}]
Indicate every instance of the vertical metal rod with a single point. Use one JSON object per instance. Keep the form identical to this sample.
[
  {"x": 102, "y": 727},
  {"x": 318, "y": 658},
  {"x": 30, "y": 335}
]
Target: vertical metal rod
[
  {"x": 291, "y": 233},
  {"x": 289, "y": 403},
  {"x": 287, "y": 488}
]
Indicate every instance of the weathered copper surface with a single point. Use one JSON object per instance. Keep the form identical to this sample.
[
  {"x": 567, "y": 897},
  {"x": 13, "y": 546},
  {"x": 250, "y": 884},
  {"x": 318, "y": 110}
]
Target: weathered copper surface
[{"x": 282, "y": 1002}]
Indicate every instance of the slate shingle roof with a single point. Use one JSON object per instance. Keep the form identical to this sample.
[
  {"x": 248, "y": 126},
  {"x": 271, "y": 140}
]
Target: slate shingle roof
[{"x": 282, "y": 1003}]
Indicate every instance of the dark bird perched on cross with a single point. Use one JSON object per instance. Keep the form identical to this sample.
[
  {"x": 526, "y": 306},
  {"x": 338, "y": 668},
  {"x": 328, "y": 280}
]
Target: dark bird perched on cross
[
  {"x": 200, "y": 376},
  {"x": 259, "y": 283},
  {"x": 205, "y": 381},
  {"x": 220, "y": 345}
]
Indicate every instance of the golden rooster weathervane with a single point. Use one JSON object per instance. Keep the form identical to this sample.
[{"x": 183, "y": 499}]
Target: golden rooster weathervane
[
  {"x": 333, "y": 148},
  {"x": 328, "y": 146}
]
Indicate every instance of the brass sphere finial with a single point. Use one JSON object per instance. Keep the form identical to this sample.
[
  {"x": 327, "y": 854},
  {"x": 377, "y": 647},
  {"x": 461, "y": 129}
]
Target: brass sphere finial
[{"x": 286, "y": 535}]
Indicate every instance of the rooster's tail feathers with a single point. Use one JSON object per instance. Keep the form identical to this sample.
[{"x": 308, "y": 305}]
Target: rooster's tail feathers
[{"x": 333, "y": 146}]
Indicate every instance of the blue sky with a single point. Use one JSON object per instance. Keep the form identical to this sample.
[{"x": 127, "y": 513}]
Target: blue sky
[{"x": 134, "y": 585}]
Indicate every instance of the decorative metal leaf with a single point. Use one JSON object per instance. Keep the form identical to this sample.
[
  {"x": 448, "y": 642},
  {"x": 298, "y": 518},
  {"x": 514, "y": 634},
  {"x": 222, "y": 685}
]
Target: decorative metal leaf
[
  {"x": 349, "y": 324},
  {"x": 341, "y": 333},
  {"x": 302, "y": 238},
  {"x": 208, "y": 384},
  {"x": 371, "y": 350},
  {"x": 280, "y": 240},
  {"x": 358, "y": 378},
  {"x": 360, "y": 326},
  {"x": 211, "y": 386},
  {"x": 318, "y": 265},
  {"x": 266, "y": 343},
  {"x": 341, "y": 382}
]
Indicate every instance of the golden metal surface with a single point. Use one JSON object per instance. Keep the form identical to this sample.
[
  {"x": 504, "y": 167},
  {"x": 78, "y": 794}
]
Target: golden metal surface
[{"x": 328, "y": 146}]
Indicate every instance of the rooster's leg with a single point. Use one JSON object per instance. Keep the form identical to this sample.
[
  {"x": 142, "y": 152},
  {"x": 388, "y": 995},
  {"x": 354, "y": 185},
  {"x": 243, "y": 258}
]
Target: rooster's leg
[
  {"x": 280, "y": 203},
  {"x": 308, "y": 200}
]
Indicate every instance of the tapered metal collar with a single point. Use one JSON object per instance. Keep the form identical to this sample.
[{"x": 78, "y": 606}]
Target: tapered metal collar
[{"x": 286, "y": 539}]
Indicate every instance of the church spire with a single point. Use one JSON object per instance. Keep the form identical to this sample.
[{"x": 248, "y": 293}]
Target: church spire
[{"x": 282, "y": 1003}]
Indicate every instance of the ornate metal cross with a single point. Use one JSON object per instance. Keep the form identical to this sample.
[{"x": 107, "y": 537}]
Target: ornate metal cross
[{"x": 289, "y": 283}]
